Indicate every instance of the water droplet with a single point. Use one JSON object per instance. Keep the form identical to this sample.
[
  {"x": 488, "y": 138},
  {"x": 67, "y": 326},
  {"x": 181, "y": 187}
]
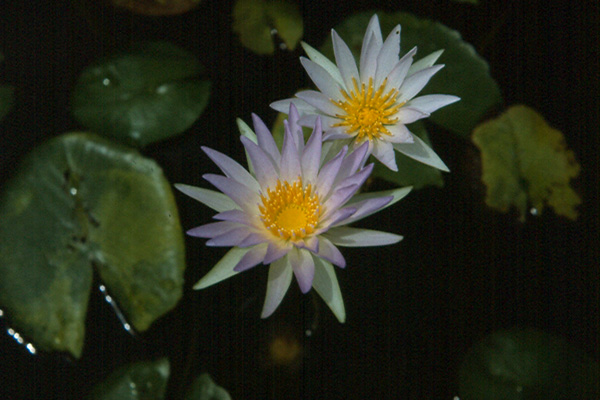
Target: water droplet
[
  {"x": 116, "y": 309},
  {"x": 455, "y": 398},
  {"x": 162, "y": 89},
  {"x": 11, "y": 331},
  {"x": 106, "y": 81},
  {"x": 31, "y": 349},
  {"x": 283, "y": 46},
  {"x": 136, "y": 134},
  {"x": 534, "y": 211},
  {"x": 308, "y": 333},
  {"x": 1, "y": 313},
  {"x": 274, "y": 31},
  {"x": 73, "y": 191}
]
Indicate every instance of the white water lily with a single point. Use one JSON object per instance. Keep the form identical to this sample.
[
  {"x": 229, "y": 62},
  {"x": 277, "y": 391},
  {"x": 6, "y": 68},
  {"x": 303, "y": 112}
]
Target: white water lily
[
  {"x": 289, "y": 211},
  {"x": 374, "y": 101}
]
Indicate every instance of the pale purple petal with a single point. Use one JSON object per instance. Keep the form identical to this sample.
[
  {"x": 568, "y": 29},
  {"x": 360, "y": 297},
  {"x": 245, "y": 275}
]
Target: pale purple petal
[
  {"x": 320, "y": 101},
  {"x": 384, "y": 152},
  {"x": 326, "y": 285},
  {"x": 321, "y": 78},
  {"x": 310, "y": 243},
  {"x": 400, "y": 70},
  {"x": 432, "y": 102},
  {"x": 223, "y": 269},
  {"x": 356, "y": 237},
  {"x": 311, "y": 158},
  {"x": 352, "y": 162},
  {"x": 324, "y": 62},
  {"x": 295, "y": 129},
  {"x": 212, "y": 229},
  {"x": 372, "y": 29},
  {"x": 388, "y": 56},
  {"x": 310, "y": 119},
  {"x": 329, "y": 252},
  {"x": 420, "y": 151},
  {"x": 344, "y": 60},
  {"x": 328, "y": 173},
  {"x": 304, "y": 268},
  {"x": 400, "y": 134},
  {"x": 215, "y": 200},
  {"x": 275, "y": 251},
  {"x": 337, "y": 217},
  {"x": 408, "y": 115},
  {"x": 414, "y": 83},
  {"x": 265, "y": 139},
  {"x": 253, "y": 239},
  {"x": 254, "y": 256},
  {"x": 425, "y": 62},
  {"x": 370, "y": 203},
  {"x": 238, "y": 216},
  {"x": 280, "y": 277},
  {"x": 240, "y": 193},
  {"x": 263, "y": 166},
  {"x": 336, "y": 200},
  {"x": 368, "y": 62},
  {"x": 230, "y": 238},
  {"x": 231, "y": 168},
  {"x": 356, "y": 179},
  {"x": 290, "y": 168}
]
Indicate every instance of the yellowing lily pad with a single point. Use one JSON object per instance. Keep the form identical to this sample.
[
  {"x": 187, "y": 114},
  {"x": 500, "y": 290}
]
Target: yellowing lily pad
[
  {"x": 526, "y": 163},
  {"x": 255, "y": 21},
  {"x": 78, "y": 203},
  {"x": 465, "y": 75},
  {"x": 150, "y": 93}
]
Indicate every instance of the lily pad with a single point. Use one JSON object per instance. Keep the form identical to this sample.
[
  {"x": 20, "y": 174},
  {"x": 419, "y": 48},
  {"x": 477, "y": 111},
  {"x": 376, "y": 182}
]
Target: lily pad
[
  {"x": 80, "y": 202},
  {"x": 527, "y": 364},
  {"x": 465, "y": 75},
  {"x": 150, "y": 93},
  {"x": 255, "y": 21},
  {"x": 411, "y": 172},
  {"x": 137, "y": 381},
  {"x": 526, "y": 162},
  {"x": 204, "y": 388}
]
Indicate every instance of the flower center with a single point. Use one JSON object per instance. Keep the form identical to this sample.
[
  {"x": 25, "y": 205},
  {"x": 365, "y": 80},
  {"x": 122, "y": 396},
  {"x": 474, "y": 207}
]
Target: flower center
[
  {"x": 367, "y": 110},
  {"x": 290, "y": 211}
]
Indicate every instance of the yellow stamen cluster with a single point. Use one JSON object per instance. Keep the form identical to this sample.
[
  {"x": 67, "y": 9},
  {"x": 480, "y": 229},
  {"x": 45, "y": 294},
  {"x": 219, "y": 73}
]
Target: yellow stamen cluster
[
  {"x": 368, "y": 110},
  {"x": 290, "y": 211}
]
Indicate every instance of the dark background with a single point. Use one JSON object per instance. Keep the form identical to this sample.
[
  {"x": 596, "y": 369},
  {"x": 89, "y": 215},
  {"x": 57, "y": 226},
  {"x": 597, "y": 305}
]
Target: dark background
[{"x": 414, "y": 309}]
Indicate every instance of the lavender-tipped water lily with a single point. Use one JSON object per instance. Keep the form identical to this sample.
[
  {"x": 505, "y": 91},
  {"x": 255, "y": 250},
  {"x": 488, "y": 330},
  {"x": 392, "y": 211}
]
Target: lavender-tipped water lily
[
  {"x": 290, "y": 210},
  {"x": 374, "y": 101}
]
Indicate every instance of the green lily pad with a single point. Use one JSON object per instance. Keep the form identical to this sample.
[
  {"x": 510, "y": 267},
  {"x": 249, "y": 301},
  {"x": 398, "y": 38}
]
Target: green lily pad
[
  {"x": 411, "y": 172},
  {"x": 150, "y": 93},
  {"x": 526, "y": 162},
  {"x": 526, "y": 364},
  {"x": 78, "y": 202},
  {"x": 204, "y": 388},
  {"x": 254, "y": 21},
  {"x": 465, "y": 75},
  {"x": 137, "y": 381}
]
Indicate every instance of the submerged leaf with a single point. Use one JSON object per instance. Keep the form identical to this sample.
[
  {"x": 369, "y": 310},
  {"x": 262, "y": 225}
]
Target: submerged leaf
[
  {"x": 256, "y": 20},
  {"x": 77, "y": 202},
  {"x": 150, "y": 93},
  {"x": 525, "y": 161},
  {"x": 411, "y": 172},
  {"x": 204, "y": 388},
  {"x": 465, "y": 75},
  {"x": 527, "y": 364},
  {"x": 136, "y": 381}
]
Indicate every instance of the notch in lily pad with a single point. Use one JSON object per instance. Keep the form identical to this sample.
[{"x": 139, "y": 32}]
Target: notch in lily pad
[
  {"x": 76, "y": 204},
  {"x": 151, "y": 92}
]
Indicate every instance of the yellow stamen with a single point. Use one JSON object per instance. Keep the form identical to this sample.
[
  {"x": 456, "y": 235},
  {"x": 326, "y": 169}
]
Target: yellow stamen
[
  {"x": 368, "y": 110},
  {"x": 290, "y": 211}
]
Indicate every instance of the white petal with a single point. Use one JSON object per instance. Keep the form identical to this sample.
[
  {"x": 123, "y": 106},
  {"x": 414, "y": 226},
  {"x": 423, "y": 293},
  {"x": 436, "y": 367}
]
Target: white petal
[
  {"x": 326, "y": 285},
  {"x": 223, "y": 269},
  {"x": 322, "y": 79},
  {"x": 408, "y": 115},
  {"x": 432, "y": 102},
  {"x": 400, "y": 70},
  {"x": 303, "y": 266},
  {"x": 344, "y": 60},
  {"x": 324, "y": 62},
  {"x": 397, "y": 195},
  {"x": 388, "y": 56},
  {"x": 368, "y": 62},
  {"x": 425, "y": 62},
  {"x": 284, "y": 106},
  {"x": 418, "y": 150},
  {"x": 384, "y": 152},
  {"x": 414, "y": 83},
  {"x": 357, "y": 237},
  {"x": 320, "y": 102},
  {"x": 400, "y": 134},
  {"x": 215, "y": 200},
  {"x": 280, "y": 277},
  {"x": 374, "y": 30}
]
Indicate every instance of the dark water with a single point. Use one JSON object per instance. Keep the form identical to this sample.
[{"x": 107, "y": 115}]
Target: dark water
[{"x": 414, "y": 309}]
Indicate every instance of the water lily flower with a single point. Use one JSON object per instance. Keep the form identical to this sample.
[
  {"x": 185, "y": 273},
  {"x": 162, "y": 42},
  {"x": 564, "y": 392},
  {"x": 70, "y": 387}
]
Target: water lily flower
[
  {"x": 289, "y": 210},
  {"x": 374, "y": 101}
]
